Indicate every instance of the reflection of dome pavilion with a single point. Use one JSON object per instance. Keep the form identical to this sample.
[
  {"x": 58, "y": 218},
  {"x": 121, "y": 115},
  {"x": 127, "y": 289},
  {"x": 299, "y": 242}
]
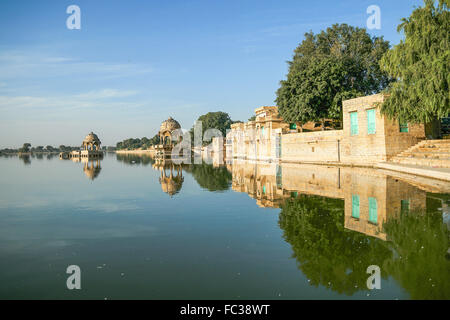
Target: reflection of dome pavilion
[
  {"x": 92, "y": 168},
  {"x": 170, "y": 183}
]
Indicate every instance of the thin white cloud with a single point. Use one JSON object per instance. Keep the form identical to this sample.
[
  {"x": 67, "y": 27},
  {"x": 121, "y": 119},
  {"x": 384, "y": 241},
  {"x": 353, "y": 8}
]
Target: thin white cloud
[
  {"x": 106, "y": 94},
  {"x": 16, "y": 65},
  {"x": 105, "y": 98}
]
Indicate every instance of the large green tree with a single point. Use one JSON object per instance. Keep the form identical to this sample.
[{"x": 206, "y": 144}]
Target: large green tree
[
  {"x": 214, "y": 120},
  {"x": 339, "y": 63},
  {"x": 25, "y": 148},
  {"x": 420, "y": 64}
]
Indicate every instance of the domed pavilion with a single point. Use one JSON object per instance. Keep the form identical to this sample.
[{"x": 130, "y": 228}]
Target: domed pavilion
[
  {"x": 166, "y": 130},
  {"x": 91, "y": 142},
  {"x": 166, "y": 137},
  {"x": 91, "y": 146}
]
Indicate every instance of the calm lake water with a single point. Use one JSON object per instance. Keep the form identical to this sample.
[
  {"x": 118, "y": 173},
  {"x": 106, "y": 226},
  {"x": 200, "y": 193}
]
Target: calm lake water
[{"x": 243, "y": 231}]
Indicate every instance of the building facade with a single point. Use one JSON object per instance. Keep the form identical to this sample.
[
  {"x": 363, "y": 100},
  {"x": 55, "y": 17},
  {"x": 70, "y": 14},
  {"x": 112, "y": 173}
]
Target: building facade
[
  {"x": 366, "y": 138},
  {"x": 258, "y": 139}
]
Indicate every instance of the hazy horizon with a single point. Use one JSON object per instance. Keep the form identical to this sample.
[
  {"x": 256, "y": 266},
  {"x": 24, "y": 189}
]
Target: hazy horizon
[{"x": 134, "y": 64}]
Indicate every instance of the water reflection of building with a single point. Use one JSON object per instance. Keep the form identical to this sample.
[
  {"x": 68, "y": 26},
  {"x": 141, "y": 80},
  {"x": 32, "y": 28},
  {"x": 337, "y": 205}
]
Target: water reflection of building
[
  {"x": 259, "y": 180},
  {"x": 371, "y": 196},
  {"x": 91, "y": 168},
  {"x": 171, "y": 178},
  {"x": 90, "y": 155}
]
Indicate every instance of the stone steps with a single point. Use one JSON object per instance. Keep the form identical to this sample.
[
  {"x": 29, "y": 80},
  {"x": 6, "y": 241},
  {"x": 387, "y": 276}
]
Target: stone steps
[
  {"x": 433, "y": 153},
  {"x": 434, "y": 149},
  {"x": 410, "y": 149},
  {"x": 428, "y": 155},
  {"x": 438, "y": 163}
]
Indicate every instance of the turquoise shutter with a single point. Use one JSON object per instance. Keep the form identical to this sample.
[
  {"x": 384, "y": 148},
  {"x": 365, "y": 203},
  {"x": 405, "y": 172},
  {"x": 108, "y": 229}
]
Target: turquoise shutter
[
  {"x": 373, "y": 210},
  {"x": 279, "y": 177},
  {"x": 404, "y": 206},
  {"x": 371, "y": 126},
  {"x": 354, "y": 123},
  {"x": 355, "y": 206},
  {"x": 404, "y": 127}
]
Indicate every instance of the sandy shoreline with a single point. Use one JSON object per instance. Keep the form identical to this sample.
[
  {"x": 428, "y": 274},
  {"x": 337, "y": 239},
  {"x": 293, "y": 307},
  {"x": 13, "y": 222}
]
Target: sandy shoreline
[{"x": 135, "y": 151}]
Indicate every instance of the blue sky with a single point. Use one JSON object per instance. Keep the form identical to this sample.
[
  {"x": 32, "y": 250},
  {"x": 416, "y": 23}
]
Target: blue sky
[{"x": 134, "y": 63}]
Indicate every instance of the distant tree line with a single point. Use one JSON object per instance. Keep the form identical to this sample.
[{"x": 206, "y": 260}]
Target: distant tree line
[
  {"x": 136, "y": 143},
  {"x": 27, "y": 148}
]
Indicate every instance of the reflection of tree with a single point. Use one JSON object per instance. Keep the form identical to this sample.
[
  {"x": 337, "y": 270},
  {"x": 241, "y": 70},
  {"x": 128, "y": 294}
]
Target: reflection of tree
[
  {"x": 145, "y": 160},
  {"x": 326, "y": 252},
  {"x": 25, "y": 158},
  {"x": 415, "y": 254},
  {"x": 421, "y": 264},
  {"x": 210, "y": 178}
]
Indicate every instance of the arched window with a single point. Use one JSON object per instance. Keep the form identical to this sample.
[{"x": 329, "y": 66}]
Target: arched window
[{"x": 167, "y": 140}]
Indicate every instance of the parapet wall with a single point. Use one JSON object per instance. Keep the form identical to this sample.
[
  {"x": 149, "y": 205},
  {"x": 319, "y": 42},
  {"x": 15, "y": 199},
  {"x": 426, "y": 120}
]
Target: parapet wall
[{"x": 319, "y": 146}]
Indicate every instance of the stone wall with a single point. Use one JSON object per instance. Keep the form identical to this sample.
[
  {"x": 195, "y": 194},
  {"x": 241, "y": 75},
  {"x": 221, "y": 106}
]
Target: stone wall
[
  {"x": 396, "y": 141},
  {"x": 319, "y": 146}
]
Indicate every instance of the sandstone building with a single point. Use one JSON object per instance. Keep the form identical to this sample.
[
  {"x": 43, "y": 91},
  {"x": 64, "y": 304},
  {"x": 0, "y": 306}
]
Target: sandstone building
[{"x": 366, "y": 138}]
